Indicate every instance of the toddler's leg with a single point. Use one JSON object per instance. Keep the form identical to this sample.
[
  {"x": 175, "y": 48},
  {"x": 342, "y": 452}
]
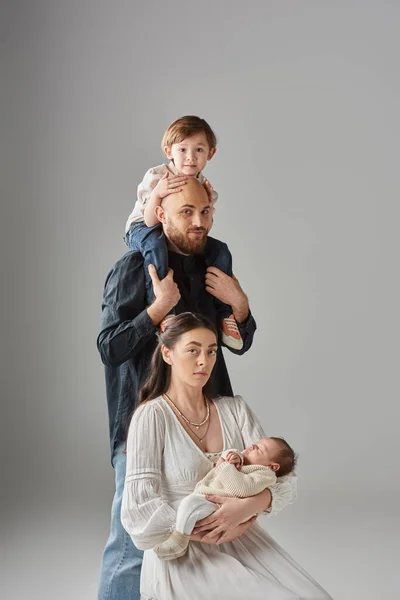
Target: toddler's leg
[
  {"x": 151, "y": 243},
  {"x": 217, "y": 254},
  {"x": 192, "y": 508}
]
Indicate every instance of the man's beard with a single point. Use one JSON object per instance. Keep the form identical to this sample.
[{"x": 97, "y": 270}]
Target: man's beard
[{"x": 183, "y": 242}]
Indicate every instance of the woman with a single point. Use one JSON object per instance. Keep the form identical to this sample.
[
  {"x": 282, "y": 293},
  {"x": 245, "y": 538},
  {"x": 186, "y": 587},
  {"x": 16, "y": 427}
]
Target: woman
[{"x": 175, "y": 436}]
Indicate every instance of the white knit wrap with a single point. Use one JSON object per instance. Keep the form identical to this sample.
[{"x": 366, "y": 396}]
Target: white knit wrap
[{"x": 226, "y": 480}]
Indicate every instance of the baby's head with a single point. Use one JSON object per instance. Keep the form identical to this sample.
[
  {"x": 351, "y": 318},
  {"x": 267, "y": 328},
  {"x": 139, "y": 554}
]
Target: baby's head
[
  {"x": 271, "y": 452},
  {"x": 189, "y": 142}
]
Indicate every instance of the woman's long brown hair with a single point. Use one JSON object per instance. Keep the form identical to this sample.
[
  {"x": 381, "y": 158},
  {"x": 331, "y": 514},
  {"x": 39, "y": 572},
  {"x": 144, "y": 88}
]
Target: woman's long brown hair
[{"x": 159, "y": 374}]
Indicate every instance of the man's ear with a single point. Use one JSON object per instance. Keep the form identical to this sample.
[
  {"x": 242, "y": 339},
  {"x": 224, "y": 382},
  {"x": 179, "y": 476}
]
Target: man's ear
[
  {"x": 160, "y": 214},
  {"x": 211, "y": 153},
  {"x": 168, "y": 152},
  {"x": 166, "y": 354}
]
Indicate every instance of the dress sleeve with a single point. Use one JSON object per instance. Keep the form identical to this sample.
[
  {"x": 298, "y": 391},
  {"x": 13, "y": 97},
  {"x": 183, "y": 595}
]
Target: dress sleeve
[
  {"x": 284, "y": 491},
  {"x": 147, "y": 518}
]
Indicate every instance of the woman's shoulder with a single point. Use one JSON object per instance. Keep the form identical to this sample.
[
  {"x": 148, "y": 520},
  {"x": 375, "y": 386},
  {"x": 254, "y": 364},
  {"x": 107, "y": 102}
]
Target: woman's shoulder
[
  {"x": 233, "y": 404},
  {"x": 151, "y": 409},
  {"x": 235, "y": 400}
]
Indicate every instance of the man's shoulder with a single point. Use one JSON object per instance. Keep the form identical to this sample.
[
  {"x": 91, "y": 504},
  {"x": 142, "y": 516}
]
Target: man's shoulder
[
  {"x": 130, "y": 258},
  {"x": 130, "y": 264}
]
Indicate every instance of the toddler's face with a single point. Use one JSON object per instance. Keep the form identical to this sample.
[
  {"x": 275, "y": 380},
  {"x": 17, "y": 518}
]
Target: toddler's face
[
  {"x": 262, "y": 452},
  {"x": 190, "y": 156}
]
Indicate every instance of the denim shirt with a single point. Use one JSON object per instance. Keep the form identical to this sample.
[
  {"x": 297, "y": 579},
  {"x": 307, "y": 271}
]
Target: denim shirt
[{"x": 127, "y": 335}]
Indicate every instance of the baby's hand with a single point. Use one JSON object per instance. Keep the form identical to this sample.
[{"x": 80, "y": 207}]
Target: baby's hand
[
  {"x": 169, "y": 184},
  {"x": 234, "y": 459}
]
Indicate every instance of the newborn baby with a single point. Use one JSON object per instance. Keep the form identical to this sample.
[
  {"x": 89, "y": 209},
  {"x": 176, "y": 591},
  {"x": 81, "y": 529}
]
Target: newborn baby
[{"x": 236, "y": 474}]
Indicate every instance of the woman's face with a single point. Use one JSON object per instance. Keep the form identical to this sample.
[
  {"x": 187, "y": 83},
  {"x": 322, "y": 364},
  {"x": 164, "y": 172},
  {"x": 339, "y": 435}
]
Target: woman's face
[{"x": 193, "y": 357}]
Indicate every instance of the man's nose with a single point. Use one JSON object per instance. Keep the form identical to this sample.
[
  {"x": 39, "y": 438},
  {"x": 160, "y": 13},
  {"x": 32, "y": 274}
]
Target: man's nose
[{"x": 197, "y": 220}]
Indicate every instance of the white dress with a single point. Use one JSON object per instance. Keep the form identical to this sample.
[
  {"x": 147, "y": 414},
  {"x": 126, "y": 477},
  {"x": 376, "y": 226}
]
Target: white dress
[{"x": 163, "y": 466}]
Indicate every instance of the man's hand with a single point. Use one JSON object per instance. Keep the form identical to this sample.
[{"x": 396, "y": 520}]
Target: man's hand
[
  {"x": 227, "y": 290},
  {"x": 167, "y": 295},
  {"x": 169, "y": 184}
]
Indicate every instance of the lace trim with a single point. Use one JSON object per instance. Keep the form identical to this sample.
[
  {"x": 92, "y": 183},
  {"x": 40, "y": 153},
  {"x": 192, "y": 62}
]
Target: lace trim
[{"x": 213, "y": 455}]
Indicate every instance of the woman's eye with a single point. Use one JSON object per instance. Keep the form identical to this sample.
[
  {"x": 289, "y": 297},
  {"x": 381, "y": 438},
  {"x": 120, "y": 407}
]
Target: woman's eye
[{"x": 213, "y": 352}]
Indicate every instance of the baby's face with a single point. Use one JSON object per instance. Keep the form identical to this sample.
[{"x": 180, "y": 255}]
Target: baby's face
[{"x": 262, "y": 452}]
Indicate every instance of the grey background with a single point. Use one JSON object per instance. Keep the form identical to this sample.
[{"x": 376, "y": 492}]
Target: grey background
[{"x": 304, "y": 98}]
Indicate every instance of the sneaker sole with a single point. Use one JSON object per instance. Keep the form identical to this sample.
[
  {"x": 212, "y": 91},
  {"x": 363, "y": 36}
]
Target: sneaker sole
[{"x": 232, "y": 342}]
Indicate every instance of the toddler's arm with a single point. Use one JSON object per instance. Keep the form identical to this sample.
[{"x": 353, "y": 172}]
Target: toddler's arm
[{"x": 168, "y": 184}]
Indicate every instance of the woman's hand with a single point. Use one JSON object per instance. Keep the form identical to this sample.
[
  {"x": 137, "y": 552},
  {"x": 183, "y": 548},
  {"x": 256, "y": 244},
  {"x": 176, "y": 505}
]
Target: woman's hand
[
  {"x": 223, "y": 538},
  {"x": 232, "y": 513}
]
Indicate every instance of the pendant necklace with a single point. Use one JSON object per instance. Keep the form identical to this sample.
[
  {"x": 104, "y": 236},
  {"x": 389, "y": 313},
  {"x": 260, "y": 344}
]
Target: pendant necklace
[{"x": 196, "y": 425}]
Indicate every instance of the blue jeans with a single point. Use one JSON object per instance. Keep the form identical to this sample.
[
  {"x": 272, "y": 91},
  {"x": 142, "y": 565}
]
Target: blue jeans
[
  {"x": 152, "y": 245},
  {"x": 122, "y": 561}
]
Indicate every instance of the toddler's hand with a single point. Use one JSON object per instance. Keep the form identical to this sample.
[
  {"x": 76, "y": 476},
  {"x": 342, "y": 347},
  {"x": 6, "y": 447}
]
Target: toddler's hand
[
  {"x": 169, "y": 184},
  {"x": 209, "y": 189}
]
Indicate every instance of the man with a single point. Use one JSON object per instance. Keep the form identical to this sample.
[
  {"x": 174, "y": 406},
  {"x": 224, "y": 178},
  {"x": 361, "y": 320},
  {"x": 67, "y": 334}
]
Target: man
[{"x": 127, "y": 340}]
